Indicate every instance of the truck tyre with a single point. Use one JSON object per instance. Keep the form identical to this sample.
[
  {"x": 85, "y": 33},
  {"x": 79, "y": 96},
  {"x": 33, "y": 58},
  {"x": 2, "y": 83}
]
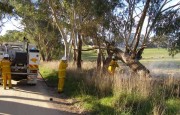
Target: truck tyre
[
  {"x": 1, "y": 81},
  {"x": 32, "y": 84}
]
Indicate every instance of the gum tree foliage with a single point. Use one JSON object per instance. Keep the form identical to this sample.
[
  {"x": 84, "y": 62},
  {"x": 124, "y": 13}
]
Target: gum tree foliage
[
  {"x": 61, "y": 20},
  {"x": 37, "y": 24},
  {"x": 12, "y": 36},
  {"x": 94, "y": 18},
  {"x": 169, "y": 25},
  {"x": 79, "y": 19},
  {"x": 5, "y": 10}
]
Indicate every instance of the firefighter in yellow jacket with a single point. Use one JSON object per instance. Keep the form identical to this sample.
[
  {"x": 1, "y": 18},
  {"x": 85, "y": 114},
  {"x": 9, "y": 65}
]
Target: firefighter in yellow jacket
[
  {"x": 112, "y": 66},
  {"x": 62, "y": 74},
  {"x": 6, "y": 71}
]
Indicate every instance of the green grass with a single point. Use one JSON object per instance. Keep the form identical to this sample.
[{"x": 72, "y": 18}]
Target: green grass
[
  {"x": 173, "y": 106},
  {"x": 50, "y": 75},
  {"x": 89, "y": 55},
  {"x": 125, "y": 104},
  {"x": 98, "y": 106},
  {"x": 73, "y": 84},
  {"x": 149, "y": 55},
  {"x": 158, "y": 55},
  {"x": 155, "y": 53}
]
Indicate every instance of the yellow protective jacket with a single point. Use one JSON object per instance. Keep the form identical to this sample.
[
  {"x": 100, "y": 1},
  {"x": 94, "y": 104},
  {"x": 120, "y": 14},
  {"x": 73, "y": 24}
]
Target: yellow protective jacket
[
  {"x": 5, "y": 66},
  {"x": 62, "y": 69},
  {"x": 112, "y": 66}
]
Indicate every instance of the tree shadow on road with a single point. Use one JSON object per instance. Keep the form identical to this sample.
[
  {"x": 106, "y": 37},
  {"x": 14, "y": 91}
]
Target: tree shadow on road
[
  {"x": 7, "y": 108},
  {"x": 41, "y": 88}
]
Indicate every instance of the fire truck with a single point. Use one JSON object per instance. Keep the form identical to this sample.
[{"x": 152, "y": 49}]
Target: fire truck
[{"x": 24, "y": 58}]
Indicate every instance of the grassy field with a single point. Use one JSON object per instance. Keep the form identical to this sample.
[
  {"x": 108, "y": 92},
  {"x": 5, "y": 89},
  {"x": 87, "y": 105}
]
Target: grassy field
[
  {"x": 149, "y": 55},
  {"x": 159, "y": 55},
  {"x": 123, "y": 94},
  {"x": 157, "y": 60}
]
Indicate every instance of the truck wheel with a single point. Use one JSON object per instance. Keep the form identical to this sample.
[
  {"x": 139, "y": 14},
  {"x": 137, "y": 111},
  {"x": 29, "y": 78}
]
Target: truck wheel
[
  {"x": 31, "y": 84},
  {"x": 1, "y": 81}
]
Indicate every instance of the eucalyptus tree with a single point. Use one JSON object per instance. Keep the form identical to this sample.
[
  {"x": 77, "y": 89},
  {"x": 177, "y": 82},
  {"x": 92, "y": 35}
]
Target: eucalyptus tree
[
  {"x": 35, "y": 19},
  {"x": 169, "y": 25},
  {"x": 83, "y": 23},
  {"x": 135, "y": 23},
  {"x": 61, "y": 20},
  {"x": 12, "y": 36},
  {"x": 87, "y": 17},
  {"x": 67, "y": 15}
]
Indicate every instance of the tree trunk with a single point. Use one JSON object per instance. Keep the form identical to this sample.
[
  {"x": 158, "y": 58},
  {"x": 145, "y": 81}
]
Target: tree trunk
[
  {"x": 139, "y": 28},
  {"x": 134, "y": 64},
  {"x": 74, "y": 52},
  {"x": 42, "y": 55},
  {"x": 99, "y": 55},
  {"x": 60, "y": 28},
  {"x": 99, "y": 60},
  {"x": 79, "y": 52}
]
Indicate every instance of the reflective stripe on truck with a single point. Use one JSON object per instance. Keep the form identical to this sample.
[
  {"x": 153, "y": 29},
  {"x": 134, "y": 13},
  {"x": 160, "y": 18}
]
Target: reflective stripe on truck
[{"x": 33, "y": 67}]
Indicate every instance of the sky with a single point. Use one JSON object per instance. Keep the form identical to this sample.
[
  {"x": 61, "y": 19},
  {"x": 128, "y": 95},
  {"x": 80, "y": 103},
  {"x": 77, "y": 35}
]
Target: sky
[{"x": 13, "y": 24}]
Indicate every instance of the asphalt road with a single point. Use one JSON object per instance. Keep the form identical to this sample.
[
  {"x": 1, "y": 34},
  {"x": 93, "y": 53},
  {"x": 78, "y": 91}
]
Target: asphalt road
[{"x": 34, "y": 100}]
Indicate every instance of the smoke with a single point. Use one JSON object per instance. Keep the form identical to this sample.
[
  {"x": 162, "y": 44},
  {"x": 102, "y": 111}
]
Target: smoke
[{"x": 164, "y": 69}]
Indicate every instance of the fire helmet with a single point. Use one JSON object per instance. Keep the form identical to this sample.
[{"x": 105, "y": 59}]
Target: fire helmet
[
  {"x": 63, "y": 58},
  {"x": 6, "y": 55},
  {"x": 113, "y": 57}
]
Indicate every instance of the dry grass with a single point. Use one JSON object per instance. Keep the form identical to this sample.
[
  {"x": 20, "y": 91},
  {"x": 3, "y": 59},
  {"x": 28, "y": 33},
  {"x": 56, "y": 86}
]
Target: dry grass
[
  {"x": 123, "y": 81},
  {"x": 53, "y": 65},
  {"x": 152, "y": 92}
]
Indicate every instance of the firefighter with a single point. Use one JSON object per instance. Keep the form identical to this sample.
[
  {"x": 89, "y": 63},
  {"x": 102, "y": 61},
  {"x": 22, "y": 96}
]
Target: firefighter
[
  {"x": 6, "y": 71},
  {"x": 112, "y": 66},
  {"x": 62, "y": 74}
]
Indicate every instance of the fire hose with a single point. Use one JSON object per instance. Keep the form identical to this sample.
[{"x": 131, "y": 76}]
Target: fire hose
[
  {"x": 44, "y": 80},
  {"x": 51, "y": 99}
]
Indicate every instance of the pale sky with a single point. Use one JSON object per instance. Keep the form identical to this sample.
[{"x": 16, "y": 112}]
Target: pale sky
[{"x": 11, "y": 25}]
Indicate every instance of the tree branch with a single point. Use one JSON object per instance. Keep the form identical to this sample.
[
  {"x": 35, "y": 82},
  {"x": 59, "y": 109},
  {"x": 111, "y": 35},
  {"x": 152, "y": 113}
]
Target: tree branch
[{"x": 140, "y": 24}]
